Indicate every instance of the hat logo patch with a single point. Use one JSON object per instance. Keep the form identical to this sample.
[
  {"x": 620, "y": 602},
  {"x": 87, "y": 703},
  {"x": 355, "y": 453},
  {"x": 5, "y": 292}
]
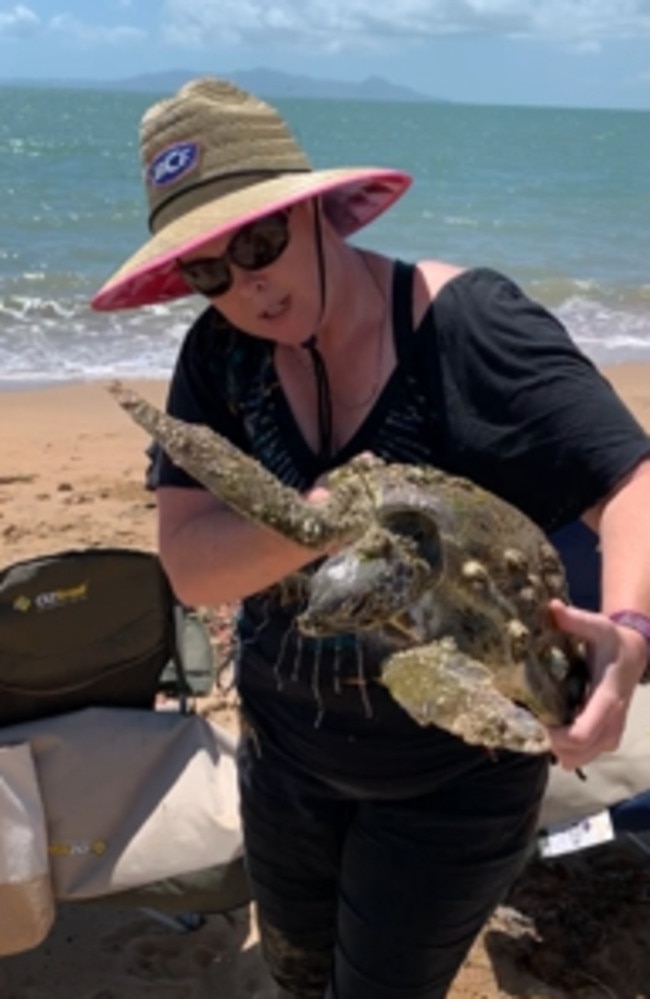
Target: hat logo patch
[{"x": 173, "y": 163}]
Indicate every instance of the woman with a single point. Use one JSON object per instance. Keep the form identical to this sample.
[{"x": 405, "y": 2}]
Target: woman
[{"x": 376, "y": 849}]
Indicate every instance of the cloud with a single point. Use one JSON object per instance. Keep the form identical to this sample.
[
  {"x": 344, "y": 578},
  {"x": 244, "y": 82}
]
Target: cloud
[
  {"x": 22, "y": 22},
  {"x": 341, "y": 24},
  {"x": 18, "y": 22},
  {"x": 94, "y": 34}
]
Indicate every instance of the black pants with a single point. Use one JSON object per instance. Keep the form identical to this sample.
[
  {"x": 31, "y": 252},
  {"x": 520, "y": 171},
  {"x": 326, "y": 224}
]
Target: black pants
[{"x": 365, "y": 897}]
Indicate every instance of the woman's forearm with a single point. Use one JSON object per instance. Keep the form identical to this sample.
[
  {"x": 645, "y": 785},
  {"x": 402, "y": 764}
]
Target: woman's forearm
[
  {"x": 213, "y": 555},
  {"x": 624, "y": 529}
]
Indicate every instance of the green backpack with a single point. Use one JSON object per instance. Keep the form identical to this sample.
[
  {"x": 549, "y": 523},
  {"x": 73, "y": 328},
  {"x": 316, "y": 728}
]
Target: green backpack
[{"x": 94, "y": 627}]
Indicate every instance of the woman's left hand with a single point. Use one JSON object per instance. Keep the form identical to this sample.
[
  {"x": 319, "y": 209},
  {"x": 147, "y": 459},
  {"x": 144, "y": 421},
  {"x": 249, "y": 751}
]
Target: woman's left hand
[{"x": 617, "y": 659}]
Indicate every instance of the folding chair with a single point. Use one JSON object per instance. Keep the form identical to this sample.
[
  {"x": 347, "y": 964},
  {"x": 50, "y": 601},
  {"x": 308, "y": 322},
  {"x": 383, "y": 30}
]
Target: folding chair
[{"x": 101, "y": 628}]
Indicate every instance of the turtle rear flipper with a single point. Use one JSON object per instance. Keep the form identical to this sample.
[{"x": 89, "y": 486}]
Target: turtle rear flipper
[{"x": 437, "y": 684}]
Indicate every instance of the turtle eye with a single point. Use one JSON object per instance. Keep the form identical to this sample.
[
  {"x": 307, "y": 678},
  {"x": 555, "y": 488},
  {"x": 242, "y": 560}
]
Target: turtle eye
[{"x": 421, "y": 528}]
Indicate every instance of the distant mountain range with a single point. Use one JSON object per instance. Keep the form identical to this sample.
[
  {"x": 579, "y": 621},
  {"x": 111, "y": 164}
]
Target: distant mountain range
[{"x": 265, "y": 82}]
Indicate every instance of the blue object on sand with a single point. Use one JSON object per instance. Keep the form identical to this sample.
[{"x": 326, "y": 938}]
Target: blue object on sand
[{"x": 578, "y": 546}]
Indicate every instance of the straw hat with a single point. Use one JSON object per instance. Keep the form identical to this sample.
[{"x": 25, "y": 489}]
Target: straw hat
[{"x": 215, "y": 158}]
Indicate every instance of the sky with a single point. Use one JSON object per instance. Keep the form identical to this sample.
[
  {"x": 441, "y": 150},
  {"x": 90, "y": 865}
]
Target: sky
[{"x": 576, "y": 53}]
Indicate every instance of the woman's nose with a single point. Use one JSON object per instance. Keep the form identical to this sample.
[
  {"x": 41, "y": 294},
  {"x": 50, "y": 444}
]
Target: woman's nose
[{"x": 249, "y": 283}]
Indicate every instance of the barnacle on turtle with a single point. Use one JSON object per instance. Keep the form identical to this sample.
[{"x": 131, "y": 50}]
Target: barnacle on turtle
[{"x": 452, "y": 581}]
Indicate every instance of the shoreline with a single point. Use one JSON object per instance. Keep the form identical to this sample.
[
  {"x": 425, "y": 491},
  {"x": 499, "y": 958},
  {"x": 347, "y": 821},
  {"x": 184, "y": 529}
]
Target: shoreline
[
  {"x": 624, "y": 365},
  {"x": 10, "y": 386}
]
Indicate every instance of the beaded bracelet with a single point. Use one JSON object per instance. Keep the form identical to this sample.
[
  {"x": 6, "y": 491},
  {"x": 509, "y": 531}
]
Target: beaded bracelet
[{"x": 637, "y": 622}]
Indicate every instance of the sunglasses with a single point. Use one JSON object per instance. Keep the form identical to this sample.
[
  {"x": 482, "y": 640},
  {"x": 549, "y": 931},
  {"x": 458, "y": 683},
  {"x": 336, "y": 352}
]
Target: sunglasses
[{"x": 253, "y": 247}]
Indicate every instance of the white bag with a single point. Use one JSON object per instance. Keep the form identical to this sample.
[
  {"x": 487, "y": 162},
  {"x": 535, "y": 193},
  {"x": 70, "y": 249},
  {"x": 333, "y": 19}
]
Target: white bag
[
  {"x": 26, "y": 898},
  {"x": 132, "y": 797}
]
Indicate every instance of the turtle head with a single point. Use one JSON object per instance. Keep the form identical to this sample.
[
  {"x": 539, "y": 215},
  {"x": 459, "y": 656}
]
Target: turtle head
[{"x": 368, "y": 583}]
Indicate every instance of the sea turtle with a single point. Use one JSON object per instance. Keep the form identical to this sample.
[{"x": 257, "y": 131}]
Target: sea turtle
[{"x": 450, "y": 581}]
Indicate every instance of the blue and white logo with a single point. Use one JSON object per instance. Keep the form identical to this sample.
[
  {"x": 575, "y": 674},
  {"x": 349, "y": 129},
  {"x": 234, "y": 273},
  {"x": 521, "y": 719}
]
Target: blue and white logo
[{"x": 173, "y": 163}]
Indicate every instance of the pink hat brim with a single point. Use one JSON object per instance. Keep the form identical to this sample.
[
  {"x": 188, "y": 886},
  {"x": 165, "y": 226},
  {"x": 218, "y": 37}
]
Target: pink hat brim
[{"x": 353, "y": 199}]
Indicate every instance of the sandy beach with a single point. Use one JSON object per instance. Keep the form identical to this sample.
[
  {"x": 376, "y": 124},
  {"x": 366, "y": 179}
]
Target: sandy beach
[{"x": 72, "y": 476}]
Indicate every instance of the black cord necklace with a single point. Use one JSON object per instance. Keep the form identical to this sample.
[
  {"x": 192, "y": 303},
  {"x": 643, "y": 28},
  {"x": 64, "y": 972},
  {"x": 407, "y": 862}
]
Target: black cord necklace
[{"x": 323, "y": 393}]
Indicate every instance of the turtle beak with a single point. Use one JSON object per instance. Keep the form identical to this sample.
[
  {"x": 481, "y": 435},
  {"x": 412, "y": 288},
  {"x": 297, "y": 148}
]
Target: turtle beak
[{"x": 343, "y": 596}]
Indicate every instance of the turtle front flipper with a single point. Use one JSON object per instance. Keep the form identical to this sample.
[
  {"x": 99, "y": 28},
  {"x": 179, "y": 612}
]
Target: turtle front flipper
[
  {"x": 236, "y": 478},
  {"x": 437, "y": 684}
]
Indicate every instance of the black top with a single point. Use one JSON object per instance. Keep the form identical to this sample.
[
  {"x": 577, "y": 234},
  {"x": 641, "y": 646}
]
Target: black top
[{"x": 488, "y": 386}]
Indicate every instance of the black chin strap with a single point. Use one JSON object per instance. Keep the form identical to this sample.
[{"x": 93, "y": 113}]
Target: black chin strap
[{"x": 324, "y": 398}]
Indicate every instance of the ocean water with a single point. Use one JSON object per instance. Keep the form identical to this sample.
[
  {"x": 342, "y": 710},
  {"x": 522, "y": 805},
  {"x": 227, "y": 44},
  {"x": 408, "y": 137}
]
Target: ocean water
[{"x": 557, "y": 198}]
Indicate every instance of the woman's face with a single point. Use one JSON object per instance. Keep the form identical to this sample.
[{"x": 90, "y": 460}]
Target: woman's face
[{"x": 281, "y": 301}]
